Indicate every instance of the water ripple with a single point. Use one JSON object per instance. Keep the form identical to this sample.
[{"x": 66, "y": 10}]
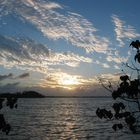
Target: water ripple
[{"x": 61, "y": 119}]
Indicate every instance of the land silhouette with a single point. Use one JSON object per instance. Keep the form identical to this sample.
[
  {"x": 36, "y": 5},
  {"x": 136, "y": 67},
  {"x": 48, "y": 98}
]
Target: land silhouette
[{"x": 25, "y": 94}]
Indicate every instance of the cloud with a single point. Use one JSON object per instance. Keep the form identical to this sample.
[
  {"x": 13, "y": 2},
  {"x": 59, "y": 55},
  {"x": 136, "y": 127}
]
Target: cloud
[
  {"x": 105, "y": 65},
  {"x": 3, "y": 77},
  {"x": 56, "y": 84},
  {"x": 11, "y": 76},
  {"x": 111, "y": 77},
  {"x": 9, "y": 87},
  {"x": 24, "y": 75},
  {"x": 123, "y": 31},
  {"x": 117, "y": 59},
  {"x": 21, "y": 52},
  {"x": 66, "y": 25},
  {"x": 68, "y": 58},
  {"x": 63, "y": 80},
  {"x": 116, "y": 67},
  {"x": 27, "y": 54}
]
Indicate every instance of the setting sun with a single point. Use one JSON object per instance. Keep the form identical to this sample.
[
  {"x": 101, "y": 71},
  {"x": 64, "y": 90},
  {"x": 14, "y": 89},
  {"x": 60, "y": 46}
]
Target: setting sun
[
  {"x": 63, "y": 80},
  {"x": 68, "y": 81}
]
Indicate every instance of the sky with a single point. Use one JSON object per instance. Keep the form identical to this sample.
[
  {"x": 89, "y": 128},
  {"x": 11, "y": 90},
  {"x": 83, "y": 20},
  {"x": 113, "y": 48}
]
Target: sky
[{"x": 62, "y": 47}]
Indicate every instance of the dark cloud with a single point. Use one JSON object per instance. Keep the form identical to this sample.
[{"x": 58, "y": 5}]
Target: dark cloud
[
  {"x": 24, "y": 75},
  {"x": 9, "y": 87},
  {"x": 3, "y": 77},
  {"x": 11, "y": 76},
  {"x": 21, "y": 51}
]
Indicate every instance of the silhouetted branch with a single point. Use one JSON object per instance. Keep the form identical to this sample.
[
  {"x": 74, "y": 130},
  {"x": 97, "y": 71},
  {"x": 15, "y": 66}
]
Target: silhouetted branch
[
  {"x": 131, "y": 67},
  {"x": 127, "y": 99},
  {"x": 128, "y": 90},
  {"x": 104, "y": 86}
]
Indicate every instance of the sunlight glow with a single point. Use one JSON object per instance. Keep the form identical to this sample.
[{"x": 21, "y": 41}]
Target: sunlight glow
[{"x": 68, "y": 81}]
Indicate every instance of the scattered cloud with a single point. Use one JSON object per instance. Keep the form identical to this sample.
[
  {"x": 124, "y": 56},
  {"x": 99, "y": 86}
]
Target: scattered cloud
[
  {"x": 55, "y": 22},
  {"x": 97, "y": 62},
  {"x": 116, "y": 59},
  {"x": 27, "y": 54},
  {"x": 105, "y": 65},
  {"x": 123, "y": 31},
  {"x": 108, "y": 77},
  {"x": 71, "y": 27},
  {"x": 116, "y": 67},
  {"x": 68, "y": 58}
]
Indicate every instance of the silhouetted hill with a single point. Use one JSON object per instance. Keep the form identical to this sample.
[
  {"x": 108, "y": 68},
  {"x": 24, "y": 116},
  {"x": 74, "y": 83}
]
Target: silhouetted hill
[{"x": 25, "y": 94}]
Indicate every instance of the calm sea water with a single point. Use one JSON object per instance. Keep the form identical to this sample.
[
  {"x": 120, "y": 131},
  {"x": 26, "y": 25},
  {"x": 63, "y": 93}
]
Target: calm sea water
[{"x": 61, "y": 119}]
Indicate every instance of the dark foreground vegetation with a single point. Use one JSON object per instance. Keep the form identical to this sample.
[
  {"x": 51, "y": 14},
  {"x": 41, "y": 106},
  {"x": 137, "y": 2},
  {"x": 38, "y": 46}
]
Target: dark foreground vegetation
[
  {"x": 126, "y": 95},
  {"x": 10, "y": 100}
]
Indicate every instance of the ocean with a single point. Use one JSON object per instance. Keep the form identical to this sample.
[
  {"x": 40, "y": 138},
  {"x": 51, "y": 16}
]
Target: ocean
[{"x": 62, "y": 119}]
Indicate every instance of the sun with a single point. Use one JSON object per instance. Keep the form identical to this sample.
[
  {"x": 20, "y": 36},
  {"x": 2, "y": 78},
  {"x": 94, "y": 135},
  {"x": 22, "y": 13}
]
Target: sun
[{"x": 69, "y": 82}]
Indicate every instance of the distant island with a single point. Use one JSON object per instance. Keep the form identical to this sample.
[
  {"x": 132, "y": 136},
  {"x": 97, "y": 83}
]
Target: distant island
[{"x": 25, "y": 94}]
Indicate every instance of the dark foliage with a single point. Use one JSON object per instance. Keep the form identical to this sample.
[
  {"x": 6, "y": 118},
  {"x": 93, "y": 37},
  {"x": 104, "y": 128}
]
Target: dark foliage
[
  {"x": 128, "y": 90},
  {"x": 103, "y": 113},
  {"x": 117, "y": 126},
  {"x": 136, "y": 45},
  {"x": 10, "y": 100},
  {"x": 11, "y": 103}
]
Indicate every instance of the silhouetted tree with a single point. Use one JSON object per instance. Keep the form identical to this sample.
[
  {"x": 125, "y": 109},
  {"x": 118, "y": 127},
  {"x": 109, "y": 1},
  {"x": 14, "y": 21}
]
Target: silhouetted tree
[
  {"x": 10, "y": 102},
  {"x": 129, "y": 91}
]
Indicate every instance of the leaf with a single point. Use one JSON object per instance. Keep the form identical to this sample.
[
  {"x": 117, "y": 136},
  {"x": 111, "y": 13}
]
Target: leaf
[
  {"x": 130, "y": 120},
  {"x": 135, "y": 44},
  {"x": 117, "y": 126},
  {"x": 122, "y": 106},
  {"x": 124, "y": 78},
  {"x": 116, "y": 107},
  {"x": 115, "y": 95}
]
